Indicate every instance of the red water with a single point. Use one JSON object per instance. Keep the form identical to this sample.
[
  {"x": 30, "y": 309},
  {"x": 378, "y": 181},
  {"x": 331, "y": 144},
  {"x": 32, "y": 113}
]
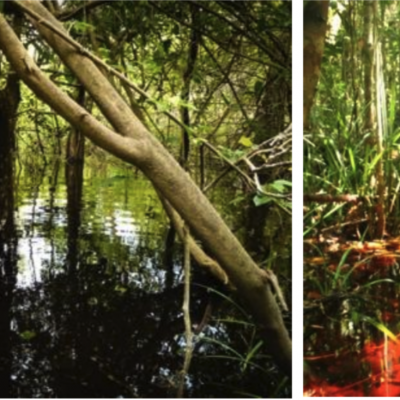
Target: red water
[
  {"x": 375, "y": 369},
  {"x": 384, "y": 378}
]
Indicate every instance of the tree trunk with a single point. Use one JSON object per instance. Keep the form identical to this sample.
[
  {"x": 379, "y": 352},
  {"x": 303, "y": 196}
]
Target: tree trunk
[
  {"x": 368, "y": 60},
  {"x": 141, "y": 149},
  {"x": 269, "y": 121},
  {"x": 315, "y": 26}
]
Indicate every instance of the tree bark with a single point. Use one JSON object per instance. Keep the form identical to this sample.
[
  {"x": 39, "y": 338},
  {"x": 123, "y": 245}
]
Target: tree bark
[
  {"x": 315, "y": 26},
  {"x": 141, "y": 149}
]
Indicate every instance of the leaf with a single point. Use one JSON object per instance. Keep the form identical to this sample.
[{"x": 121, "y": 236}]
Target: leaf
[
  {"x": 352, "y": 161},
  {"x": 381, "y": 327},
  {"x": 279, "y": 185},
  {"x": 120, "y": 289},
  {"x": 237, "y": 200},
  {"x": 245, "y": 141},
  {"x": 83, "y": 27},
  {"x": 28, "y": 335},
  {"x": 231, "y": 155},
  {"x": 259, "y": 200},
  {"x": 251, "y": 354}
]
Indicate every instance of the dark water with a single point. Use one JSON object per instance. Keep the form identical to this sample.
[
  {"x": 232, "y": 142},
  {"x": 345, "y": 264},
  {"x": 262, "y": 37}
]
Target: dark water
[{"x": 91, "y": 301}]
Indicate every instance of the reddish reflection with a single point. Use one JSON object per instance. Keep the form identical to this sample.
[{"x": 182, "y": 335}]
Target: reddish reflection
[
  {"x": 383, "y": 380},
  {"x": 343, "y": 325}
]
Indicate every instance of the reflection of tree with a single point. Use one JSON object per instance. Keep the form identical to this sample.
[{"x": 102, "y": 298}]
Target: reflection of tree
[
  {"x": 351, "y": 356},
  {"x": 8, "y": 260},
  {"x": 102, "y": 338},
  {"x": 114, "y": 319},
  {"x": 9, "y": 101},
  {"x": 74, "y": 181}
]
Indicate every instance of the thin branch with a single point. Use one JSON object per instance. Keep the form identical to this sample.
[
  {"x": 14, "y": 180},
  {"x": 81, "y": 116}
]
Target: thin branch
[
  {"x": 282, "y": 141},
  {"x": 228, "y": 80},
  {"x": 230, "y": 163},
  {"x": 219, "y": 43},
  {"x": 229, "y": 7},
  {"x": 186, "y": 317},
  {"x": 65, "y": 15},
  {"x": 255, "y": 40},
  {"x": 279, "y": 164},
  {"x": 259, "y": 187},
  {"x": 96, "y": 60},
  {"x": 328, "y": 198}
]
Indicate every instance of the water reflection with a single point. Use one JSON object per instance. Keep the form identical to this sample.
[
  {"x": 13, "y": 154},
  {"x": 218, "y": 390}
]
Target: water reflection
[
  {"x": 90, "y": 308},
  {"x": 350, "y": 331},
  {"x": 116, "y": 225}
]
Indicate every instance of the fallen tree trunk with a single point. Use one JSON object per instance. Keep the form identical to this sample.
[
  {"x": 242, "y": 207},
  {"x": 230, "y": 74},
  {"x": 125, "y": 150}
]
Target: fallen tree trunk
[{"x": 138, "y": 147}]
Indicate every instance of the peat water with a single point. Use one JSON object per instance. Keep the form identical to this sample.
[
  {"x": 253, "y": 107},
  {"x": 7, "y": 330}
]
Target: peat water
[
  {"x": 352, "y": 331},
  {"x": 91, "y": 307}
]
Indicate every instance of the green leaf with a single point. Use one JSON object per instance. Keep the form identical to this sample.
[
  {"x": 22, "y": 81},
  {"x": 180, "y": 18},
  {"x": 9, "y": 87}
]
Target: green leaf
[
  {"x": 279, "y": 185},
  {"x": 251, "y": 354},
  {"x": 83, "y": 27},
  {"x": 381, "y": 327},
  {"x": 259, "y": 200},
  {"x": 231, "y": 155},
  {"x": 352, "y": 162},
  {"x": 237, "y": 200},
  {"x": 245, "y": 141},
  {"x": 120, "y": 289},
  {"x": 28, "y": 335}
]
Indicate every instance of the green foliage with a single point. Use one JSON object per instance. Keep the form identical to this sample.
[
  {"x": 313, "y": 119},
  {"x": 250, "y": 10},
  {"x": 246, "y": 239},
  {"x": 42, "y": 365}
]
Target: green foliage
[
  {"x": 380, "y": 326},
  {"x": 339, "y": 157},
  {"x": 281, "y": 187},
  {"x": 250, "y": 355},
  {"x": 28, "y": 335},
  {"x": 83, "y": 27},
  {"x": 246, "y": 141},
  {"x": 231, "y": 155}
]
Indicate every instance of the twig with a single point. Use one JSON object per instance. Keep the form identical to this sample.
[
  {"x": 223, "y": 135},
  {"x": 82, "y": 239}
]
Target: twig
[
  {"x": 268, "y": 166},
  {"x": 186, "y": 317},
  {"x": 258, "y": 184},
  {"x": 85, "y": 52},
  {"x": 230, "y": 163},
  {"x": 285, "y": 139},
  {"x": 328, "y": 198}
]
